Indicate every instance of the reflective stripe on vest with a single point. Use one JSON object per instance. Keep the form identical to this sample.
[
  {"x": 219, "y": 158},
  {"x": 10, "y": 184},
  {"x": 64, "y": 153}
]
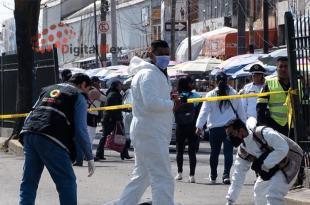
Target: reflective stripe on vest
[{"x": 278, "y": 110}]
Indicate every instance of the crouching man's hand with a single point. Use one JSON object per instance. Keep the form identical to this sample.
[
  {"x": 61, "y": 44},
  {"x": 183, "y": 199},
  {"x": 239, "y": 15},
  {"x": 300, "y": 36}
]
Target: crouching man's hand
[{"x": 91, "y": 167}]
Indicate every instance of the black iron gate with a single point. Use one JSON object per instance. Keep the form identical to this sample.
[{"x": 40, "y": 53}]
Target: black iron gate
[
  {"x": 298, "y": 45},
  {"x": 46, "y": 72}
]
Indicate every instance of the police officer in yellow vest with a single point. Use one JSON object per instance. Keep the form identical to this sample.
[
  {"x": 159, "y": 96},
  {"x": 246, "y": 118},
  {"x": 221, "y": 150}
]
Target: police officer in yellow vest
[{"x": 271, "y": 110}]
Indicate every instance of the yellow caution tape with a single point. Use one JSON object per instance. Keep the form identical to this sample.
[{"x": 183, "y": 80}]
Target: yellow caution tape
[
  {"x": 13, "y": 116},
  {"x": 234, "y": 97},
  {"x": 195, "y": 100},
  {"x": 116, "y": 107}
]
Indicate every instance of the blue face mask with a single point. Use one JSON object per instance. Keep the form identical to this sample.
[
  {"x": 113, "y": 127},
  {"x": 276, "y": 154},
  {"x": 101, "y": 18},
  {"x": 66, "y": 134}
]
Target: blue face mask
[{"x": 162, "y": 62}]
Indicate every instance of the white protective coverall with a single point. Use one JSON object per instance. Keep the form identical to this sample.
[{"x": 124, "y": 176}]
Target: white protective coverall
[
  {"x": 250, "y": 103},
  {"x": 150, "y": 132},
  {"x": 270, "y": 192}
]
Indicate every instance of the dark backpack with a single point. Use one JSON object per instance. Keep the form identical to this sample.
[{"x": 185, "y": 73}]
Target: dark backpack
[{"x": 185, "y": 114}]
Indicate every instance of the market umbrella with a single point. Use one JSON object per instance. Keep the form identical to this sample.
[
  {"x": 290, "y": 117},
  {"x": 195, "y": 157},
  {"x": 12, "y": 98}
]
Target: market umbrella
[
  {"x": 200, "y": 65},
  {"x": 234, "y": 64},
  {"x": 271, "y": 58},
  {"x": 73, "y": 70},
  {"x": 104, "y": 72},
  {"x": 241, "y": 73},
  {"x": 246, "y": 70},
  {"x": 93, "y": 72}
]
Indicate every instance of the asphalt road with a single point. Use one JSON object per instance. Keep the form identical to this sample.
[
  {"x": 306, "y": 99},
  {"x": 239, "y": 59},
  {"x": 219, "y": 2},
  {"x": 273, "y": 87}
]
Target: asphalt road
[{"x": 110, "y": 178}]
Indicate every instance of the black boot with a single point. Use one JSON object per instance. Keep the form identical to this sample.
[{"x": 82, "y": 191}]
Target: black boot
[
  {"x": 100, "y": 150},
  {"x": 125, "y": 153}
]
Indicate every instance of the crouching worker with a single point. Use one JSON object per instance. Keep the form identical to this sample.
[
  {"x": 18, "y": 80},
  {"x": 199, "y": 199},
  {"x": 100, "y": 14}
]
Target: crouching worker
[
  {"x": 273, "y": 156},
  {"x": 58, "y": 118}
]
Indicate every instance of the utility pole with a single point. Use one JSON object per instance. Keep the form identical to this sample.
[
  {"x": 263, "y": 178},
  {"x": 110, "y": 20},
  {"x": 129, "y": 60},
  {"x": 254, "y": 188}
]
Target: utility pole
[
  {"x": 103, "y": 39},
  {"x": 173, "y": 6},
  {"x": 241, "y": 27},
  {"x": 251, "y": 26},
  {"x": 96, "y": 34},
  {"x": 266, "y": 26},
  {"x": 114, "y": 32},
  {"x": 189, "y": 29}
]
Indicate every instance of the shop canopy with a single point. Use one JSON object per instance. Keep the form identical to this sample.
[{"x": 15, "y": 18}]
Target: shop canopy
[
  {"x": 225, "y": 45},
  {"x": 198, "y": 43}
]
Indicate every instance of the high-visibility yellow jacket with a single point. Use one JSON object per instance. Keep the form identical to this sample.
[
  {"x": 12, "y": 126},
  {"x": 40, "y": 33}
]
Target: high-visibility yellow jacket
[{"x": 278, "y": 109}]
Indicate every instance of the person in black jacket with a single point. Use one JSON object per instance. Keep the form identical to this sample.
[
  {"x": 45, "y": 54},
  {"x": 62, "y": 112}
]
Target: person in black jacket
[
  {"x": 111, "y": 118},
  {"x": 185, "y": 117}
]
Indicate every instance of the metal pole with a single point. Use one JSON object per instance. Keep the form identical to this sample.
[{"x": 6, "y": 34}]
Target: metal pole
[
  {"x": 189, "y": 30},
  {"x": 96, "y": 34},
  {"x": 291, "y": 51},
  {"x": 173, "y": 7},
  {"x": 241, "y": 27},
  {"x": 103, "y": 47},
  {"x": 114, "y": 32},
  {"x": 251, "y": 26},
  {"x": 266, "y": 26},
  {"x": 2, "y": 90}
]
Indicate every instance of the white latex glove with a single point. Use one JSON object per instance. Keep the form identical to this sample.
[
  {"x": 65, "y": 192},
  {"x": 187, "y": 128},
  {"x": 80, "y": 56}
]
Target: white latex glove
[{"x": 91, "y": 167}]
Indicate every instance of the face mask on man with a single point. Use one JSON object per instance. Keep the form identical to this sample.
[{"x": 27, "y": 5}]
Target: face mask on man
[
  {"x": 235, "y": 141},
  {"x": 162, "y": 62}
]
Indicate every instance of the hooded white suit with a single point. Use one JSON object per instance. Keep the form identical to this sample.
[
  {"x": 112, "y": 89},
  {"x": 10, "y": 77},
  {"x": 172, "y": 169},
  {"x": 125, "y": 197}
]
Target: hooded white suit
[
  {"x": 150, "y": 132},
  {"x": 270, "y": 192}
]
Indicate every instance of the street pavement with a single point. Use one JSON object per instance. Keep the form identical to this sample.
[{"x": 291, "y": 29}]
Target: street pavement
[{"x": 112, "y": 175}]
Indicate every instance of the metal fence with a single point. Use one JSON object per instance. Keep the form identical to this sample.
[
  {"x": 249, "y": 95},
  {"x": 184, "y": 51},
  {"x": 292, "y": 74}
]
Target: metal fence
[
  {"x": 298, "y": 45},
  {"x": 46, "y": 72}
]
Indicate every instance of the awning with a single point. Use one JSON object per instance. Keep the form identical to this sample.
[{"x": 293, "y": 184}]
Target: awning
[
  {"x": 68, "y": 7},
  {"x": 198, "y": 43},
  {"x": 225, "y": 44}
]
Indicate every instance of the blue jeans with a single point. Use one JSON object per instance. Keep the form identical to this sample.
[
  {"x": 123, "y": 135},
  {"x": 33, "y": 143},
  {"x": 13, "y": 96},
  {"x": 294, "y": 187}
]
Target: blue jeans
[
  {"x": 39, "y": 152},
  {"x": 217, "y": 137}
]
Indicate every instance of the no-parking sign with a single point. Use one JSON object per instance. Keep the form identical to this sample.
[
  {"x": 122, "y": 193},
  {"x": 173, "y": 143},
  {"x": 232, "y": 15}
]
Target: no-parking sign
[{"x": 103, "y": 27}]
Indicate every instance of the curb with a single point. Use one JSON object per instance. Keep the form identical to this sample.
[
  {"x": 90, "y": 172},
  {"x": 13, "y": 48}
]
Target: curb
[
  {"x": 298, "y": 197},
  {"x": 16, "y": 148}
]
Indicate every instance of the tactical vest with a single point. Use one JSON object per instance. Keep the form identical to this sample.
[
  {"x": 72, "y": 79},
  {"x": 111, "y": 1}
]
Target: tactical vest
[
  {"x": 278, "y": 111},
  {"x": 289, "y": 165},
  {"x": 53, "y": 116}
]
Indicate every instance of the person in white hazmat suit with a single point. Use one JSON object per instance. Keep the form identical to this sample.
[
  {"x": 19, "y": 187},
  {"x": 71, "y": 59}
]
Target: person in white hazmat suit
[
  {"x": 275, "y": 158},
  {"x": 256, "y": 86},
  {"x": 151, "y": 129}
]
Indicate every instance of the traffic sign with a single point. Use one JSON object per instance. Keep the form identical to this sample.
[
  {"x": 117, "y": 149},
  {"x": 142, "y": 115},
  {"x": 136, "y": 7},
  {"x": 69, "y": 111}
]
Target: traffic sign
[
  {"x": 179, "y": 26},
  {"x": 104, "y": 27}
]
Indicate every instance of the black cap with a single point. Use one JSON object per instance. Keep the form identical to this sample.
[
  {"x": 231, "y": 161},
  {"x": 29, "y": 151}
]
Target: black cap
[
  {"x": 282, "y": 58},
  {"x": 257, "y": 69},
  {"x": 221, "y": 76},
  {"x": 94, "y": 79},
  {"x": 66, "y": 74}
]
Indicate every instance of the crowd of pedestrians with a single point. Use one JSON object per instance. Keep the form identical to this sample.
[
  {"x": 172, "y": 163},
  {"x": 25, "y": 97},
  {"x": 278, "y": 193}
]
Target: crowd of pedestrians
[{"x": 61, "y": 126}]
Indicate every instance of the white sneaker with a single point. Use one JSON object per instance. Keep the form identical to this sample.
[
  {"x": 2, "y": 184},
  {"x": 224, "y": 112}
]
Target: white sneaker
[
  {"x": 211, "y": 180},
  {"x": 192, "y": 179},
  {"x": 179, "y": 176}
]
